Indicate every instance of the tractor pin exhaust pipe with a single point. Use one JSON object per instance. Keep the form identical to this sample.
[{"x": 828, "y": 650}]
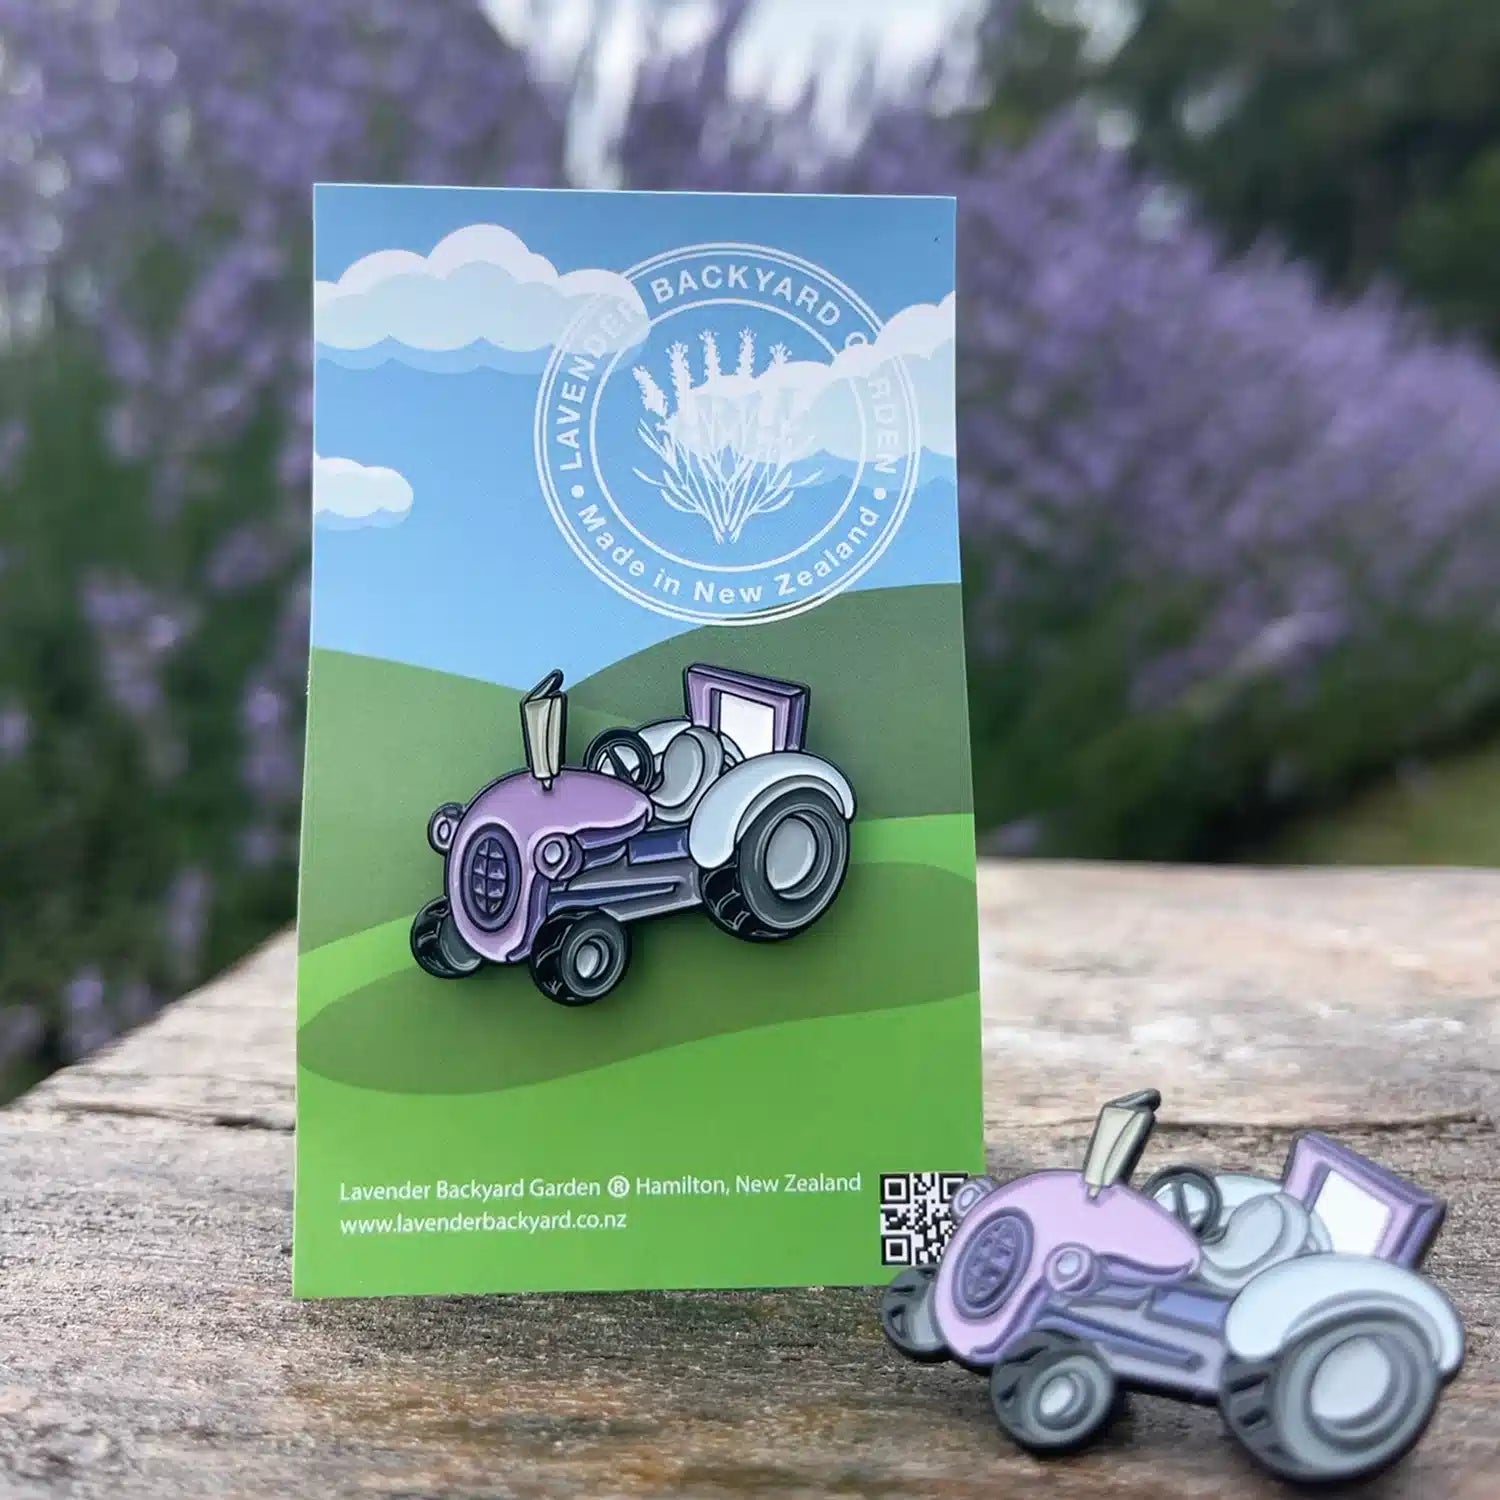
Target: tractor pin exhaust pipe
[
  {"x": 544, "y": 723},
  {"x": 1119, "y": 1138}
]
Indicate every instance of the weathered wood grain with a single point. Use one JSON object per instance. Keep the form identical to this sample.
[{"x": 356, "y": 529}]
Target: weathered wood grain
[{"x": 149, "y": 1345}]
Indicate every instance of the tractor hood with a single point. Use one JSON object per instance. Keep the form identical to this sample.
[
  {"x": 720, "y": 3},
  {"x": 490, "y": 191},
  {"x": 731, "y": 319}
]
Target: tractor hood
[
  {"x": 518, "y": 837},
  {"x": 1048, "y": 1233}
]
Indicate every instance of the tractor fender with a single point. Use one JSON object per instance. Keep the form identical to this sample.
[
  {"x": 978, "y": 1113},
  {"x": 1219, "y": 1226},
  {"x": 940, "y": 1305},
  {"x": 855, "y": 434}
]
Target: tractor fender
[
  {"x": 743, "y": 790},
  {"x": 661, "y": 734},
  {"x": 1286, "y": 1300}
]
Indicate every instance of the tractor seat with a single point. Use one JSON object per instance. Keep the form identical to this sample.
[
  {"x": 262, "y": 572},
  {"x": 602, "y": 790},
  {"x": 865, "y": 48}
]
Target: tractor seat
[
  {"x": 1258, "y": 1233},
  {"x": 691, "y": 761}
]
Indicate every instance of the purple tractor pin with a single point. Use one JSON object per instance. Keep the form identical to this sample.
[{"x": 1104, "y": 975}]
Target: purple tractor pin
[
  {"x": 721, "y": 808},
  {"x": 1294, "y": 1305}
]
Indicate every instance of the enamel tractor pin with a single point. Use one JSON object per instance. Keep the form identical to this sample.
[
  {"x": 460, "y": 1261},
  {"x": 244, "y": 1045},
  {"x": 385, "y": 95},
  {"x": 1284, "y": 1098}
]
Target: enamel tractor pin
[
  {"x": 720, "y": 808},
  {"x": 1294, "y": 1305}
]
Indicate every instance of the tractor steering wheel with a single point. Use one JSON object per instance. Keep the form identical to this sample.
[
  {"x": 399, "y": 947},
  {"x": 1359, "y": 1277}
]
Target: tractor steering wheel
[
  {"x": 625, "y": 755},
  {"x": 1191, "y": 1196}
]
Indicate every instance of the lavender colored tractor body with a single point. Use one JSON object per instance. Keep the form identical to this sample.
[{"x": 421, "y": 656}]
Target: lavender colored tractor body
[
  {"x": 721, "y": 808},
  {"x": 1294, "y": 1305}
]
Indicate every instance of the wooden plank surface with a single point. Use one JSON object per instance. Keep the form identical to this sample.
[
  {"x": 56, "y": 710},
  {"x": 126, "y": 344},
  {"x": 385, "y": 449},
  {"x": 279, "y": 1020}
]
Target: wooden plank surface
[{"x": 151, "y": 1348}]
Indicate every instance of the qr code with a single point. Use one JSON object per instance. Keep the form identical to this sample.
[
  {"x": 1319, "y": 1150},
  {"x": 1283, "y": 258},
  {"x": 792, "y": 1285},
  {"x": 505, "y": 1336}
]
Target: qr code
[{"x": 914, "y": 1219}]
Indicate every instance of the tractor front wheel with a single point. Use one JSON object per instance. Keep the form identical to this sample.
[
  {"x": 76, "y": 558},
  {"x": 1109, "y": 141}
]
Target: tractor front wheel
[
  {"x": 906, "y": 1316},
  {"x": 576, "y": 960},
  {"x": 1053, "y": 1393},
  {"x": 786, "y": 868},
  {"x": 438, "y": 946}
]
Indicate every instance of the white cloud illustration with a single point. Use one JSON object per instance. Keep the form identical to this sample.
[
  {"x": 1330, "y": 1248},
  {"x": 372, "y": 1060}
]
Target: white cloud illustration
[
  {"x": 922, "y": 338},
  {"x": 480, "y": 296},
  {"x": 791, "y": 409},
  {"x": 916, "y": 332},
  {"x": 347, "y": 494}
]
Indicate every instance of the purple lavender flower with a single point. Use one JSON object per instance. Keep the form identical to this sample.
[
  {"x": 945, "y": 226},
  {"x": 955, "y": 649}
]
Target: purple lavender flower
[
  {"x": 185, "y": 918},
  {"x": 138, "y": 633},
  {"x": 86, "y": 1021},
  {"x": 15, "y": 732},
  {"x": 244, "y": 558},
  {"x": 155, "y": 171},
  {"x": 1211, "y": 519},
  {"x": 205, "y": 127},
  {"x": 261, "y": 846},
  {"x": 12, "y": 447}
]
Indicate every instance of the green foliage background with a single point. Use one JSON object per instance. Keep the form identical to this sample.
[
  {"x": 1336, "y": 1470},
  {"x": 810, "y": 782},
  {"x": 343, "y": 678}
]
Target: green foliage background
[
  {"x": 146, "y": 825},
  {"x": 1365, "y": 133}
]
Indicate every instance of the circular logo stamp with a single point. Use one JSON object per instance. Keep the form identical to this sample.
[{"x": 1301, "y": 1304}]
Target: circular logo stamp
[{"x": 748, "y": 456}]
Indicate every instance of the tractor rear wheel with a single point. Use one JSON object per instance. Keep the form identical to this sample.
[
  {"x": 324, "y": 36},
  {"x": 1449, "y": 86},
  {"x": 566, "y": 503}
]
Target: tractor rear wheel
[
  {"x": 1342, "y": 1401},
  {"x": 576, "y": 960},
  {"x": 786, "y": 868}
]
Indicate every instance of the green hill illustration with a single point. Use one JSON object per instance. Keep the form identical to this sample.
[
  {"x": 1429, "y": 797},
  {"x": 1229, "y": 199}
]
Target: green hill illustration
[
  {"x": 389, "y": 742},
  {"x": 405, "y": 1033}
]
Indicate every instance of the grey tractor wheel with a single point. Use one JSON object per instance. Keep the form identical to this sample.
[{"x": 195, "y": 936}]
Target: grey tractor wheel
[
  {"x": 437, "y": 945},
  {"x": 576, "y": 960},
  {"x": 906, "y": 1316},
  {"x": 786, "y": 869},
  {"x": 1343, "y": 1401},
  {"x": 1053, "y": 1393}
]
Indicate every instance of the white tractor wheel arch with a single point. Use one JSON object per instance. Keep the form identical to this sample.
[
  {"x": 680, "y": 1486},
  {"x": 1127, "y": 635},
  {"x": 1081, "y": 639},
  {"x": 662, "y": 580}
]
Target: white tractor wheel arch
[
  {"x": 1284, "y": 1302},
  {"x": 742, "y": 792}
]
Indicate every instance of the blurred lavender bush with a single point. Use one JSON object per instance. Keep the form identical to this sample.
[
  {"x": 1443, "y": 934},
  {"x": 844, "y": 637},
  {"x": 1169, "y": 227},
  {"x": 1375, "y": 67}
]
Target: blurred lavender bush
[
  {"x": 1229, "y": 547},
  {"x": 156, "y": 161}
]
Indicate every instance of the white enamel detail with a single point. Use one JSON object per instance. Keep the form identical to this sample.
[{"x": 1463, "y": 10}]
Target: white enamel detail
[
  {"x": 661, "y": 734},
  {"x": 1287, "y": 1299},
  {"x": 1262, "y": 1231},
  {"x": 968, "y": 1194},
  {"x": 1356, "y": 1220},
  {"x": 750, "y": 725},
  {"x": 692, "y": 761},
  {"x": 741, "y": 792}
]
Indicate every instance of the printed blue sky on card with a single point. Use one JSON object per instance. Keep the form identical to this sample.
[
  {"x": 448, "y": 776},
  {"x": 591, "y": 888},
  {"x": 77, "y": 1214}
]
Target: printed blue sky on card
[{"x": 759, "y": 418}]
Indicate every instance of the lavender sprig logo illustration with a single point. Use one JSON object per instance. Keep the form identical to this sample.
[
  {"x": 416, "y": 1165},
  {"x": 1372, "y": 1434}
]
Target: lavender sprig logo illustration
[
  {"x": 760, "y": 450},
  {"x": 728, "y": 447}
]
